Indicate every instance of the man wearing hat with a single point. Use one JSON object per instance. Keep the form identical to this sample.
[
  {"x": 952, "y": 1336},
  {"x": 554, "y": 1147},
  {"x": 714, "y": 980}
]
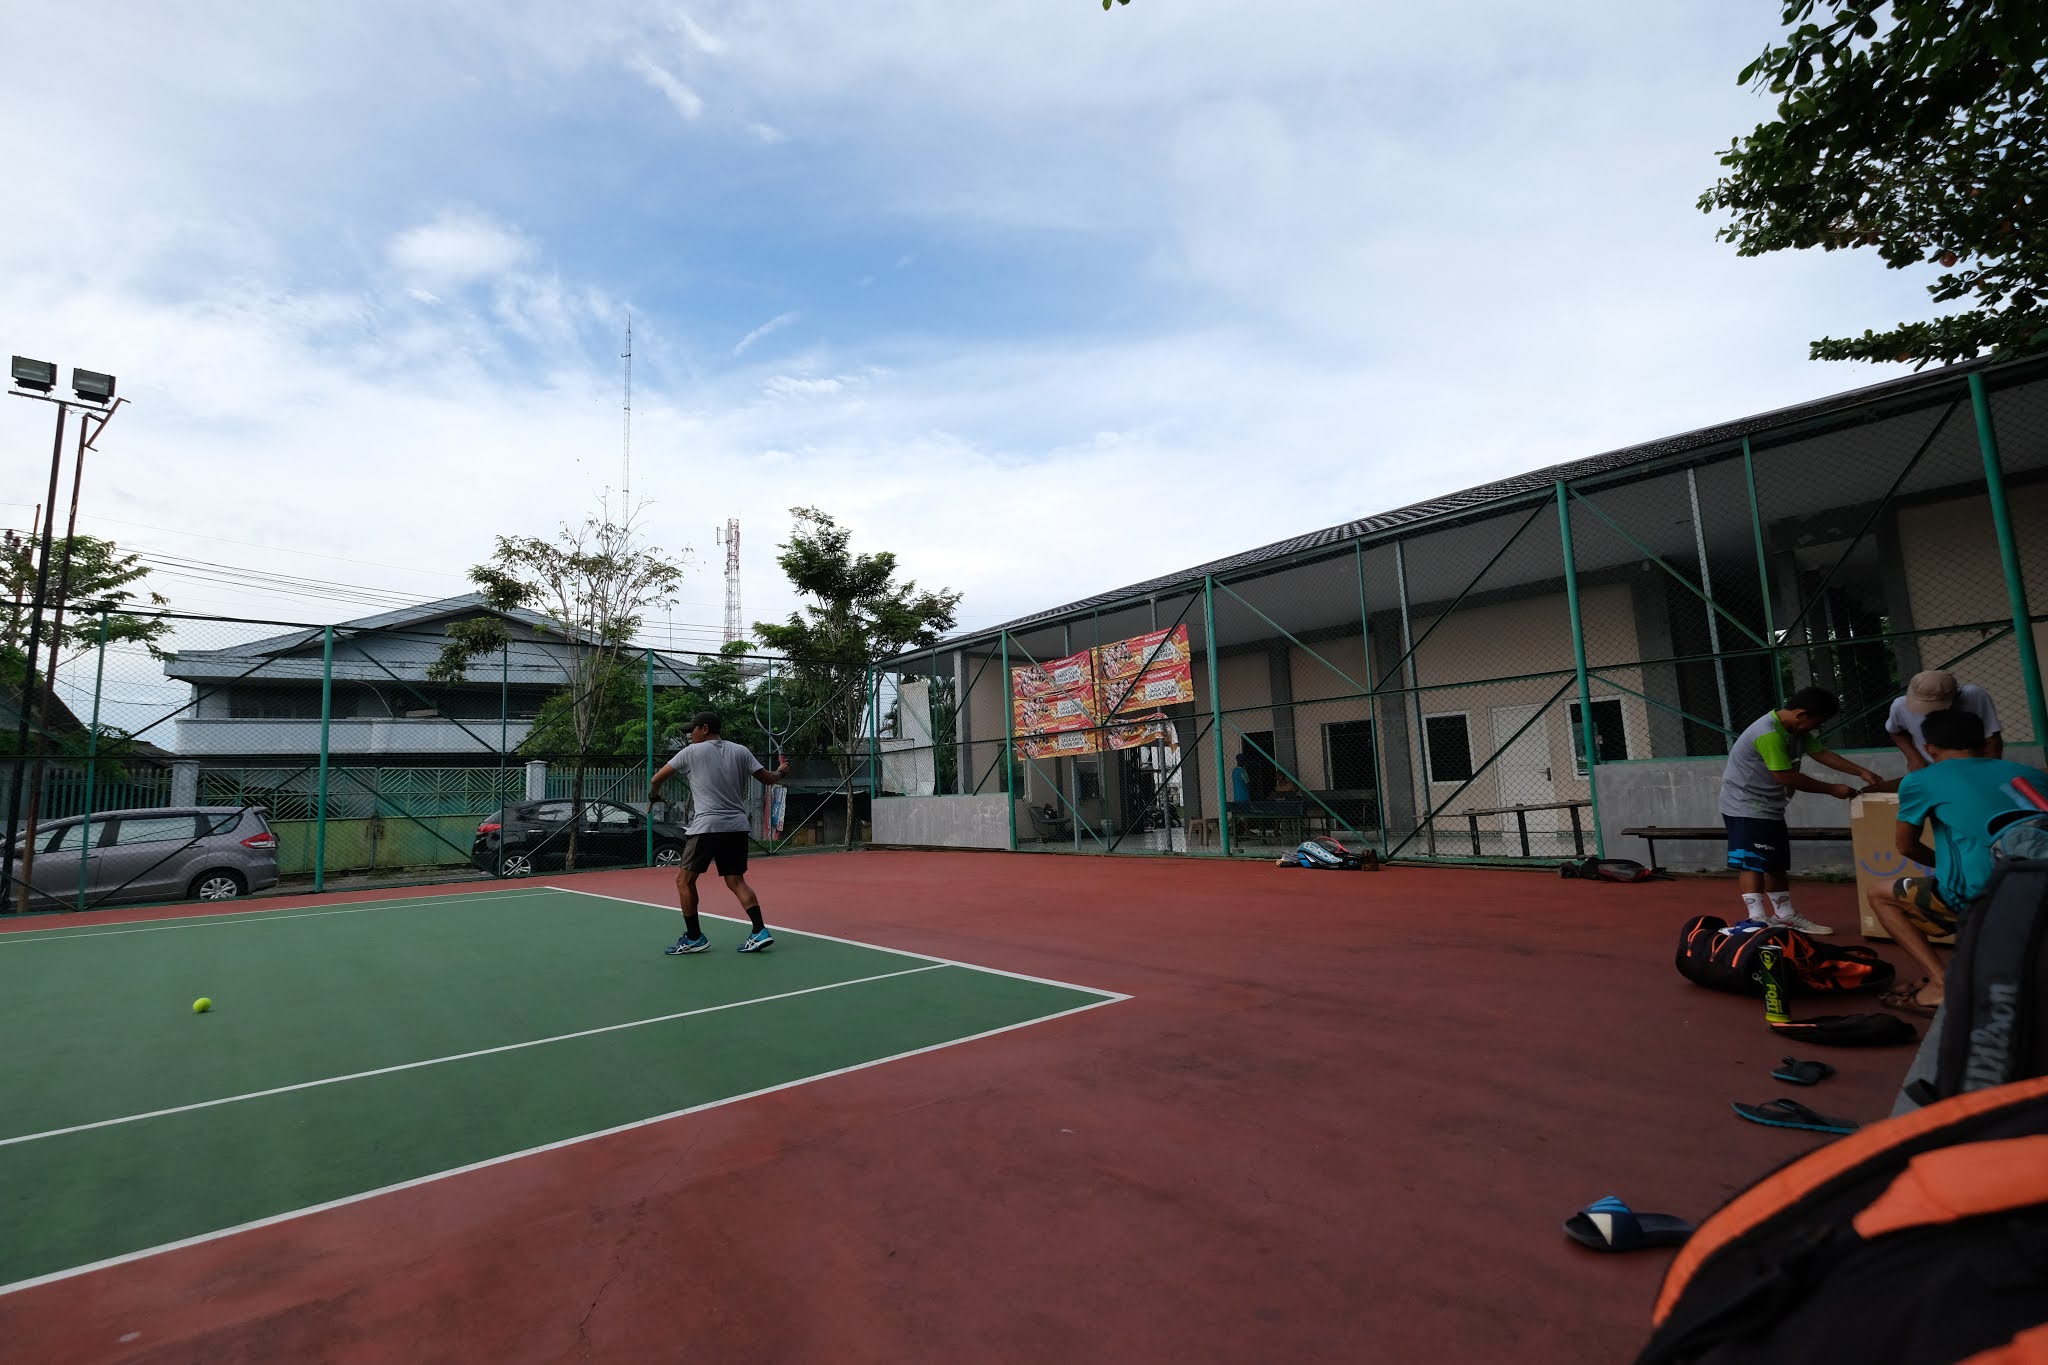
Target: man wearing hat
[{"x": 1933, "y": 691}]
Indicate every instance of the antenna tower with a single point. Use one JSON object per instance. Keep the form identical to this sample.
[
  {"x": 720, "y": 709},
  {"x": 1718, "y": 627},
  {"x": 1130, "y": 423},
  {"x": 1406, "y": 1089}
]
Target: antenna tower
[
  {"x": 626, "y": 477},
  {"x": 730, "y": 538}
]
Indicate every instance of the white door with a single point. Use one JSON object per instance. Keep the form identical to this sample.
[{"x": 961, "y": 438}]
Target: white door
[{"x": 1524, "y": 767}]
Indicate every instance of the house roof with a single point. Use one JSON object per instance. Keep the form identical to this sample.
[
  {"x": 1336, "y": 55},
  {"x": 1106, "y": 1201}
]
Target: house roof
[
  {"x": 405, "y": 647},
  {"x": 1471, "y": 499},
  {"x": 426, "y": 613}
]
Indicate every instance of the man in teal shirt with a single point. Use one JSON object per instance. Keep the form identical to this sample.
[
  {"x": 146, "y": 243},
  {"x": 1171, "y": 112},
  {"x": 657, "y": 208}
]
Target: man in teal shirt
[{"x": 1962, "y": 792}]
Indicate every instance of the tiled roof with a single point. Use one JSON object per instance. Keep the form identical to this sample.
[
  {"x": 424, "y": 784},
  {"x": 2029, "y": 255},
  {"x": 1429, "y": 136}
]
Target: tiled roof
[{"x": 1502, "y": 489}]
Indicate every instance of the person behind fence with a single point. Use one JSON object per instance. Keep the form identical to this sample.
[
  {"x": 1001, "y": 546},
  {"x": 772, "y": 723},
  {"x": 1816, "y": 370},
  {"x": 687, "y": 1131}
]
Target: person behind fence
[
  {"x": 719, "y": 771},
  {"x": 1934, "y": 691},
  {"x": 1961, "y": 791},
  {"x": 1759, "y": 781}
]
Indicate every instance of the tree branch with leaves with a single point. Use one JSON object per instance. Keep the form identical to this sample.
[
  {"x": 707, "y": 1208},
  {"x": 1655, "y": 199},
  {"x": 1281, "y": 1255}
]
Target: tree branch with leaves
[
  {"x": 592, "y": 584},
  {"x": 1917, "y": 129}
]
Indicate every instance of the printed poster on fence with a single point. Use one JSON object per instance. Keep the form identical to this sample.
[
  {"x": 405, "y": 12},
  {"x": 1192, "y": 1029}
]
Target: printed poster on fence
[
  {"x": 1146, "y": 672},
  {"x": 1053, "y": 707}
]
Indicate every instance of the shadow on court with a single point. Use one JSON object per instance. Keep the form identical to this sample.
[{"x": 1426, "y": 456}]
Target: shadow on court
[{"x": 1340, "y": 1119}]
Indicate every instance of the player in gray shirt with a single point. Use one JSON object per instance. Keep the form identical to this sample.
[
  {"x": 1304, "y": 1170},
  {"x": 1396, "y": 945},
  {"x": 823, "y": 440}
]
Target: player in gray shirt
[
  {"x": 1757, "y": 785},
  {"x": 720, "y": 774}
]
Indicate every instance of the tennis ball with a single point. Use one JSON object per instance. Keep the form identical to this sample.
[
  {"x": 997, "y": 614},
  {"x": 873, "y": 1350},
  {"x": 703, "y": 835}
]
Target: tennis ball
[{"x": 202, "y": 1005}]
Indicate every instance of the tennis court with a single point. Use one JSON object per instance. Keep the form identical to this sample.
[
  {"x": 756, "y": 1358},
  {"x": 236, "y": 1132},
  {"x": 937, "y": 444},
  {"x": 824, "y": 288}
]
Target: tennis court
[
  {"x": 1333, "y": 1117},
  {"x": 363, "y": 1047}
]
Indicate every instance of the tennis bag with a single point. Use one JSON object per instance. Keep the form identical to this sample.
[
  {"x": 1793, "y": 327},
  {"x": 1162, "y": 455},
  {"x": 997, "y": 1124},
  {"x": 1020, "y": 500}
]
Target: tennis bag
[
  {"x": 1730, "y": 962},
  {"x": 1328, "y": 853},
  {"x": 1994, "y": 1026},
  {"x": 1920, "y": 1240},
  {"x": 1606, "y": 870}
]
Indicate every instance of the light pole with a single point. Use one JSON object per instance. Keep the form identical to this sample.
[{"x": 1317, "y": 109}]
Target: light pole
[{"x": 93, "y": 396}]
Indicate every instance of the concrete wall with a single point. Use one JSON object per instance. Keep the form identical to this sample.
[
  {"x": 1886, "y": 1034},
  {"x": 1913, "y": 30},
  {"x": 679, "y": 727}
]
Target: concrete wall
[
  {"x": 944, "y": 821},
  {"x": 1687, "y": 791}
]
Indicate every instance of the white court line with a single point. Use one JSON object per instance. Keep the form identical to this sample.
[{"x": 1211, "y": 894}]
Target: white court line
[
  {"x": 264, "y": 916},
  {"x": 1109, "y": 997},
  {"x": 454, "y": 1057},
  {"x": 204, "y": 1237}
]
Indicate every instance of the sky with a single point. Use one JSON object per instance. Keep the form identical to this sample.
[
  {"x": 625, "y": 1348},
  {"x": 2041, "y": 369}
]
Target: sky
[{"x": 1045, "y": 300}]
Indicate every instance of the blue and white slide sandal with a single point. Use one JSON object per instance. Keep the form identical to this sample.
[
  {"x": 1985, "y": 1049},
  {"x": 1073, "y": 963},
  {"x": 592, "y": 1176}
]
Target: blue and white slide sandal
[{"x": 1610, "y": 1225}]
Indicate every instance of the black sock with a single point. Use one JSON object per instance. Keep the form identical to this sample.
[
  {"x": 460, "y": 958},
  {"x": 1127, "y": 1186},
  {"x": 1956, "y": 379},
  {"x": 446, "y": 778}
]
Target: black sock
[
  {"x": 754, "y": 914},
  {"x": 690, "y": 929}
]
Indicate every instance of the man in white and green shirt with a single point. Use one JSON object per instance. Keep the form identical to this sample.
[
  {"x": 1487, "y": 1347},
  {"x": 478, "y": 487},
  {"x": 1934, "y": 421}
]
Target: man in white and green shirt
[{"x": 1762, "y": 774}]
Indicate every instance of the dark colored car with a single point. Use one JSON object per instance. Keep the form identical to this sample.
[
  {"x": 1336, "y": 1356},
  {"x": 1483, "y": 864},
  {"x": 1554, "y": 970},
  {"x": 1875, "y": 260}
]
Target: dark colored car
[
  {"x": 207, "y": 853},
  {"x": 535, "y": 837}
]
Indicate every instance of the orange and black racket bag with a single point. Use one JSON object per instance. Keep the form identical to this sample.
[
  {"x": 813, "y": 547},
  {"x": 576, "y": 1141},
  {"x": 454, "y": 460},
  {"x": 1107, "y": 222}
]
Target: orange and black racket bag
[{"x": 1921, "y": 1240}]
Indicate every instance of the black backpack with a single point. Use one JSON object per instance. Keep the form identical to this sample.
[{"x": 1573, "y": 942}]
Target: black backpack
[
  {"x": 1995, "y": 1026},
  {"x": 1920, "y": 1240},
  {"x": 1731, "y": 962}
]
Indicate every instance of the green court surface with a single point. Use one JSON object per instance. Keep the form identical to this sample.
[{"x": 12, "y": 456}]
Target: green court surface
[{"x": 356, "y": 1047}]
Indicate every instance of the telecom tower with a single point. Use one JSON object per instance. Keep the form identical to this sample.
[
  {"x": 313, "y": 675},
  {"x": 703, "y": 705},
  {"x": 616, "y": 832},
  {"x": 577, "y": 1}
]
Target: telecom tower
[
  {"x": 626, "y": 474},
  {"x": 730, "y": 538}
]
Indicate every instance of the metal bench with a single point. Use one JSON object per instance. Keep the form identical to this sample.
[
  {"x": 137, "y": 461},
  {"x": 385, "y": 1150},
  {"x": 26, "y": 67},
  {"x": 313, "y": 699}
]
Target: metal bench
[
  {"x": 1650, "y": 834},
  {"x": 1521, "y": 814}
]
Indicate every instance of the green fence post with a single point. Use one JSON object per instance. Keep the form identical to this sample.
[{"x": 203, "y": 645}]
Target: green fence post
[
  {"x": 1009, "y": 743},
  {"x": 504, "y": 740},
  {"x": 320, "y": 790},
  {"x": 1372, "y": 705},
  {"x": 1216, "y": 713},
  {"x": 1425, "y": 798},
  {"x": 1587, "y": 731},
  {"x": 650, "y": 755},
  {"x": 1763, "y": 568},
  {"x": 2009, "y": 559},
  {"x": 92, "y": 752}
]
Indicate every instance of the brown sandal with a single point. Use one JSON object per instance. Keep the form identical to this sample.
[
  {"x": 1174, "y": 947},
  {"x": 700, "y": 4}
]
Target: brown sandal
[{"x": 1907, "y": 999}]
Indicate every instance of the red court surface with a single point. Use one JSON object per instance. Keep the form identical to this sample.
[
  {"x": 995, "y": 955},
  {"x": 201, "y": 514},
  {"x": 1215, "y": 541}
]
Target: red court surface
[{"x": 1340, "y": 1119}]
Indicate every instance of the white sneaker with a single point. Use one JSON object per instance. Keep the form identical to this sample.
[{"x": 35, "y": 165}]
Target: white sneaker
[{"x": 1795, "y": 920}]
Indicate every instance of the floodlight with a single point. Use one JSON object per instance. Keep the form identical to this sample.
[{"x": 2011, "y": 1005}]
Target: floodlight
[
  {"x": 39, "y": 375},
  {"x": 92, "y": 386}
]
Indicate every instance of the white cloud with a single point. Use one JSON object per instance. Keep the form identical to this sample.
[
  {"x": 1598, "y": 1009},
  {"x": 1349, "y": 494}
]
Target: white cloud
[
  {"x": 790, "y": 386},
  {"x": 456, "y": 248},
  {"x": 768, "y": 133},
  {"x": 773, "y": 324},
  {"x": 686, "y": 101},
  {"x": 701, "y": 40}
]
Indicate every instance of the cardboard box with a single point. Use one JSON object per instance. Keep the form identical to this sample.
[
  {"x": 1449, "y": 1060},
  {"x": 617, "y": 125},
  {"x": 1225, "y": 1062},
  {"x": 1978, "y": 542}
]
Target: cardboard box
[{"x": 1879, "y": 863}]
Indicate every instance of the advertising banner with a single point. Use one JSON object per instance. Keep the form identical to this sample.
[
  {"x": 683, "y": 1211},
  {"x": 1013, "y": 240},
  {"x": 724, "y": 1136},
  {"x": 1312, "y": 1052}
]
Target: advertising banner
[
  {"x": 1059, "y": 708},
  {"x": 1146, "y": 671},
  {"x": 1054, "y": 708}
]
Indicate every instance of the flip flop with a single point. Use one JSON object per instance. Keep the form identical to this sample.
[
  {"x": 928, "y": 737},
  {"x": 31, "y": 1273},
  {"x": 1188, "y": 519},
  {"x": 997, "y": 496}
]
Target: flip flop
[
  {"x": 1610, "y": 1225},
  {"x": 1792, "y": 1114},
  {"x": 1792, "y": 1071}
]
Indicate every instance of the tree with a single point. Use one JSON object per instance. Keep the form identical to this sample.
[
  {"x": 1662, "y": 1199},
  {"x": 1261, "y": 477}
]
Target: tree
[
  {"x": 593, "y": 583},
  {"x": 99, "y": 574},
  {"x": 854, "y": 616},
  {"x": 1916, "y": 128}
]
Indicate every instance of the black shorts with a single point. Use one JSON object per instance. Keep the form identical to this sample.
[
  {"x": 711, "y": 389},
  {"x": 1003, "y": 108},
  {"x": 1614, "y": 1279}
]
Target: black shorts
[
  {"x": 727, "y": 848},
  {"x": 1758, "y": 845}
]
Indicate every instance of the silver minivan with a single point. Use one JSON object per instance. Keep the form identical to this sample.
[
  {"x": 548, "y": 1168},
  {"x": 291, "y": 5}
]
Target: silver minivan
[{"x": 208, "y": 853}]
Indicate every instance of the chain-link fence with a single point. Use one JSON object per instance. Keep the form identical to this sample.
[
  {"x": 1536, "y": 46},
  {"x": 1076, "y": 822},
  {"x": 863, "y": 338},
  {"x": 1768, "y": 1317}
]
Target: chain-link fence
[
  {"x": 365, "y": 757},
  {"x": 1525, "y": 671},
  {"x": 1522, "y": 672}
]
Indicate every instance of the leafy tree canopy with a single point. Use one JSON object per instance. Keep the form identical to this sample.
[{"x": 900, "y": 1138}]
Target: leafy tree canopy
[
  {"x": 854, "y": 615},
  {"x": 101, "y": 574},
  {"x": 1916, "y": 128}
]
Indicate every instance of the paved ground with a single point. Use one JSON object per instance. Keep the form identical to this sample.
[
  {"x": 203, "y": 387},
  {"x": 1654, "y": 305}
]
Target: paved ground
[{"x": 1340, "y": 1120}]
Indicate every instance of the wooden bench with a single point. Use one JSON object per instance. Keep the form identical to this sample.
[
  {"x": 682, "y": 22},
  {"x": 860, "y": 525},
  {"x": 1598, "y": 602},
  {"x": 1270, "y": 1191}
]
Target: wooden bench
[
  {"x": 1521, "y": 814},
  {"x": 1650, "y": 834}
]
